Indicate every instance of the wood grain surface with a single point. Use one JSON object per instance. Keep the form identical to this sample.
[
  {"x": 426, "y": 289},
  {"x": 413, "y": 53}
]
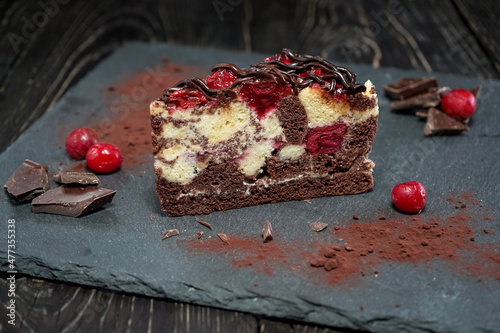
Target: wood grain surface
[{"x": 47, "y": 46}]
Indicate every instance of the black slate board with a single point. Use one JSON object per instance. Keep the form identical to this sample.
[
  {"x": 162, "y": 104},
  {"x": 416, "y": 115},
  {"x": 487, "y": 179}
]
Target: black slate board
[{"x": 119, "y": 248}]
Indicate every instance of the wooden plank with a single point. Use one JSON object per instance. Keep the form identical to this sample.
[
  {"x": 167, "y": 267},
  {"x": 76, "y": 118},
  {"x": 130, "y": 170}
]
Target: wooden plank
[
  {"x": 37, "y": 68},
  {"x": 39, "y": 64},
  {"x": 425, "y": 35},
  {"x": 61, "y": 307},
  {"x": 481, "y": 18}
]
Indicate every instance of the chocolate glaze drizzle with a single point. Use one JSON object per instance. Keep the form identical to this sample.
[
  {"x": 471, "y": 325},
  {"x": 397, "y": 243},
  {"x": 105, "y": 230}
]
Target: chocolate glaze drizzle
[{"x": 276, "y": 70}]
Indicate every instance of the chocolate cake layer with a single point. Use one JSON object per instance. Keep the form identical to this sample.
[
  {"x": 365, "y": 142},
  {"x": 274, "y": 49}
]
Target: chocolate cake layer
[
  {"x": 222, "y": 186},
  {"x": 242, "y": 195}
]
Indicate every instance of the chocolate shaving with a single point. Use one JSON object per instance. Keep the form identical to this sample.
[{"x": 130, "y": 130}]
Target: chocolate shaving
[
  {"x": 318, "y": 226},
  {"x": 223, "y": 237},
  {"x": 267, "y": 232},
  {"x": 81, "y": 178},
  {"x": 199, "y": 234},
  {"x": 72, "y": 201},
  {"x": 408, "y": 87},
  {"x": 28, "y": 181},
  {"x": 205, "y": 223},
  {"x": 439, "y": 123},
  {"x": 170, "y": 233}
]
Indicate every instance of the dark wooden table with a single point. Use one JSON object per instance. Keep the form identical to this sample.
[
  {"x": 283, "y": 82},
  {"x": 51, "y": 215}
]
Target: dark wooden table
[{"x": 47, "y": 46}]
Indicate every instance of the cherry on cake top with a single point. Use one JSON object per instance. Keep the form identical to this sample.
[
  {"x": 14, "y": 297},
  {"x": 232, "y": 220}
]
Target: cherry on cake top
[{"x": 263, "y": 84}]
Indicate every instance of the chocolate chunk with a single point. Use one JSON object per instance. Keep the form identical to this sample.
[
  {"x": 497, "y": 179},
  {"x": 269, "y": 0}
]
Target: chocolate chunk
[
  {"x": 267, "y": 232},
  {"x": 476, "y": 90},
  {"x": 224, "y": 238},
  {"x": 439, "y": 123},
  {"x": 426, "y": 100},
  {"x": 205, "y": 223},
  {"x": 408, "y": 87},
  {"x": 81, "y": 178},
  {"x": 72, "y": 201},
  {"x": 318, "y": 226},
  {"x": 28, "y": 181}
]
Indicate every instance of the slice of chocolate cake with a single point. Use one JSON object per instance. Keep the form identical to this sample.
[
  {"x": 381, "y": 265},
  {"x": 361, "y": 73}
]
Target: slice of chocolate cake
[{"x": 290, "y": 127}]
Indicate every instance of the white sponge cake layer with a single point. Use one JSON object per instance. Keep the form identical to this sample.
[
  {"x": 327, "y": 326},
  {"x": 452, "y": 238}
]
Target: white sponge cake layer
[
  {"x": 190, "y": 139},
  {"x": 322, "y": 109},
  {"x": 229, "y": 132}
]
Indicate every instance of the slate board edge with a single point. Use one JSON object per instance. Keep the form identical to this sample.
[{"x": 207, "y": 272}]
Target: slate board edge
[
  {"x": 351, "y": 323},
  {"x": 187, "y": 293}
]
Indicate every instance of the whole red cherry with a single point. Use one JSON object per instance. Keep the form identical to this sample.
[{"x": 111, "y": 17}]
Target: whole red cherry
[
  {"x": 104, "y": 158},
  {"x": 409, "y": 197},
  {"x": 459, "y": 104},
  {"x": 79, "y": 141}
]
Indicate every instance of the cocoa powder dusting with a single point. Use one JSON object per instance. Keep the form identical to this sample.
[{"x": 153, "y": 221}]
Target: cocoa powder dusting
[
  {"x": 365, "y": 246},
  {"x": 129, "y": 126},
  {"x": 248, "y": 251}
]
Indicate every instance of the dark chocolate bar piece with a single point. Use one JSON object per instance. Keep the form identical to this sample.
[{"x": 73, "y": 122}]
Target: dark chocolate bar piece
[
  {"x": 28, "y": 181},
  {"x": 72, "y": 201},
  {"x": 439, "y": 123},
  {"x": 81, "y": 178},
  {"x": 408, "y": 87},
  {"x": 430, "y": 99}
]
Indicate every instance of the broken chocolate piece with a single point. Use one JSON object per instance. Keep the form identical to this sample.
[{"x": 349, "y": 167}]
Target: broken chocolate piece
[
  {"x": 205, "y": 223},
  {"x": 476, "y": 90},
  {"x": 81, "y": 178},
  {"x": 170, "y": 233},
  {"x": 439, "y": 123},
  {"x": 408, "y": 87},
  {"x": 72, "y": 201},
  {"x": 28, "y": 181},
  {"x": 199, "y": 234},
  {"x": 267, "y": 232},
  {"x": 223, "y": 237},
  {"x": 426, "y": 100},
  {"x": 422, "y": 113},
  {"x": 318, "y": 226}
]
